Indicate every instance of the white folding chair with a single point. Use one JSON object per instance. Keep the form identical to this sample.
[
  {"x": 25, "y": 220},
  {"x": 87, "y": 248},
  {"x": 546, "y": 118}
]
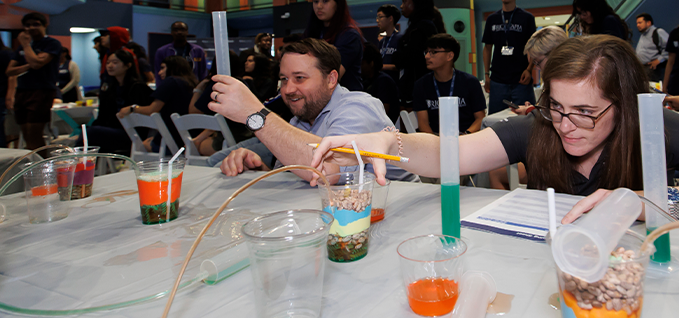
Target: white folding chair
[
  {"x": 200, "y": 121},
  {"x": 409, "y": 121},
  {"x": 138, "y": 152}
]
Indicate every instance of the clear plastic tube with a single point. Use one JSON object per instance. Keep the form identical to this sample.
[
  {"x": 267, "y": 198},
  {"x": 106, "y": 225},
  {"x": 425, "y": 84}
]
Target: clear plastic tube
[
  {"x": 450, "y": 165},
  {"x": 653, "y": 159},
  {"x": 221, "y": 42},
  {"x": 477, "y": 291}
]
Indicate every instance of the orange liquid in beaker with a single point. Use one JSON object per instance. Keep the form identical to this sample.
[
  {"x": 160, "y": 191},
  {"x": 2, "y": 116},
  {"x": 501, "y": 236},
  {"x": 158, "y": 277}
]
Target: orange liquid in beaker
[
  {"x": 432, "y": 296},
  {"x": 44, "y": 190},
  {"x": 376, "y": 215}
]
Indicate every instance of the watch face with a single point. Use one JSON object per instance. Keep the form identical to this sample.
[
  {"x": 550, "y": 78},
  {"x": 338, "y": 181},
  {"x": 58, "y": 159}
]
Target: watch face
[{"x": 255, "y": 121}]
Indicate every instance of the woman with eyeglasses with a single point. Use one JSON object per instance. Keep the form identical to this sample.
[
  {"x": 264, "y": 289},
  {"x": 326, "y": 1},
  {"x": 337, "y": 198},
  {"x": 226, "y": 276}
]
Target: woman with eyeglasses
[
  {"x": 332, "y": 22},
  {"x": 585, "y": 138}
]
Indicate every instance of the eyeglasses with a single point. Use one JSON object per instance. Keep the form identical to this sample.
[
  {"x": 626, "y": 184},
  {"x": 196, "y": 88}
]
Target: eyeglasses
[
  {"x": 432, "y": 52},
  {"x": 579, "y": 120},
  {"x": 381, "y": 17},
  {"x": 537, "y": 63}
]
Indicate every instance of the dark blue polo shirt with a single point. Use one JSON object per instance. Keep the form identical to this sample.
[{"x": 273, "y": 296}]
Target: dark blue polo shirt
[{"x": 45, "y": 77}]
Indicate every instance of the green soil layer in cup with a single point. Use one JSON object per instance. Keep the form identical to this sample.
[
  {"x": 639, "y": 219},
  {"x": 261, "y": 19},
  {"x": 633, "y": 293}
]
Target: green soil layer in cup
[
  {"x": 154, "y": 214},
  {"x": 349, "y": 248}
]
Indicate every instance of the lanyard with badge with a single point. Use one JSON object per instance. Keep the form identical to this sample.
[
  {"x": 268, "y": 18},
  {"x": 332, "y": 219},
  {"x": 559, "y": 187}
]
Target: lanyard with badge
[
  {"x": 507, "y": 50},
  {"x": 452, "y": 84},
  {"x": 386, "y": 45}
]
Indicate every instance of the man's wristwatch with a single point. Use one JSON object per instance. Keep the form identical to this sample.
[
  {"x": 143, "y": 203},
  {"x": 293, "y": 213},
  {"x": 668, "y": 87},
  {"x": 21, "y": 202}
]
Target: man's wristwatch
[
  {"x": 256, "y": 121},
  {"x": 133, "y": 108}
]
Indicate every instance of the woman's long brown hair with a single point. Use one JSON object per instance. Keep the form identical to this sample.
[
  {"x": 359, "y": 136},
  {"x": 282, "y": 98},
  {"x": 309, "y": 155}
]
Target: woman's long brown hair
[{"x": 611, "y": 65}]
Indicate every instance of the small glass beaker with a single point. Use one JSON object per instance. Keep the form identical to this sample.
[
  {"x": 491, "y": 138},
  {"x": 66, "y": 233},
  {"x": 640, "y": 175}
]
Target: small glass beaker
[
  {"x": 84, "y": 171},
  {"x": 46, "y": 185},
  {"x": 152, "y": 181},
  {"x": 287, "y": 260},
  {"x": 619, "y": 294},
  {"x": 379, "y": 206},
  {"x": 351, "y": 207},
  {"x": 431, "y": 266}
]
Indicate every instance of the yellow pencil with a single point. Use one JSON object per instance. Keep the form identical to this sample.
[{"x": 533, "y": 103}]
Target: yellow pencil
[{"x": 367, "y": 153}]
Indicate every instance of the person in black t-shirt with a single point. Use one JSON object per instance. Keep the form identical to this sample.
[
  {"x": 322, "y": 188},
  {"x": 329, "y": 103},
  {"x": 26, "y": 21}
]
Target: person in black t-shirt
[
  {"x": 585, "y": 137},
  {"x": 145, "y": 68},
  {"x": 172, "y": 95},
  {"x": 379, "y": 84},
  {"x": 387, "y": 17},
  {"x": 37, "y": 64},
  {"x": 509, "y": 76},
  {"x": 442, "y": 52},
  {"x": 332, "y": 22},
  {"x": 122, "y": 87},
  {"x": 598, "y": 17},
  {"x": 671, "y": 82}
]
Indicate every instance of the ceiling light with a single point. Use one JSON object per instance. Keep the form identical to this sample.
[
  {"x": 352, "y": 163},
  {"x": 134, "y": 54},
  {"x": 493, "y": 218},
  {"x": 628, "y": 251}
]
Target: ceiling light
[
  {"x": 548, "y": 18},
  {"x": 82, "y": 30},
  {"x": 557, "y": 22}
]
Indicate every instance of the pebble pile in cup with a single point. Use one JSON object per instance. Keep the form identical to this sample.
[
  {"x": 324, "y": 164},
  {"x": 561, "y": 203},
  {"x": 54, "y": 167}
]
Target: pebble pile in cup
[
  {"x": 620, "y": 290},
  {"x": 350, "y": 247}
]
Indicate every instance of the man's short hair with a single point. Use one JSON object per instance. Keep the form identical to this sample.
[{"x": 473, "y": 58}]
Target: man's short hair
[
  {"x": 260, "y": 36},
  {"x": 97, "y": 39},
  {"x": 646, "y": 16},
  {"x": 327, "y": 56},
  {"x": 390, "y": 10},
  {"x": 182, "y": 22},
  {"x": 34, "y": 16},
  {"x": 372, "y": 54},
  {"x": 444, "y": 41},
  {"x": 292, "y": 38}
]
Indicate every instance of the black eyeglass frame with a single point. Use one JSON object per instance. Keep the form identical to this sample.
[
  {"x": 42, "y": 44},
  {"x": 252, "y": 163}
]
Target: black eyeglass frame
[
  {"x": 594, "y": 119},
  {"x": 432, "y": 52}
]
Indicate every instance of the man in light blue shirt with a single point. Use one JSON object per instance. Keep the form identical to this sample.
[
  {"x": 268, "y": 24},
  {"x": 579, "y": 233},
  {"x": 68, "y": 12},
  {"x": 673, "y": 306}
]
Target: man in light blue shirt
[
  {"x": 651, "y": 47},
  {"x": 309, "y": 74}
]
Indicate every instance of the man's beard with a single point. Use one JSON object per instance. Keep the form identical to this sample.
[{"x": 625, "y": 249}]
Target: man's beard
[{"x": 312, "y": 107}]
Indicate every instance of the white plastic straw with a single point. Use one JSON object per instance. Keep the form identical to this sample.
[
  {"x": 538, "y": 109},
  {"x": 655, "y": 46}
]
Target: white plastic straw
[
  {"x": 221, "y": 43},
  {"x": 84, "y": 129},
  {"x": 360, "y": 165},
  {"x": 552, "y": 211},
  {"x": 169, "y": 183}
]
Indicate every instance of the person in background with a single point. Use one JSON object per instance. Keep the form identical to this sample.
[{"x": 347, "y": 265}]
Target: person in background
[
  {"x": 408, "y": 56},
  {"x": 377, "y": 83},
  {"x": 69, "y": 78},
  {"x": 332, "y": 22},
  {"x": 193, "y": 54},
  {"x": 37, "y": 65},
  {"x": 388, "y": 16},
  {"x": 598, "y": 17},
  {"x": 145, "y": 68},
  {"x": 505, "y": 35},
  {"x": 263, "y": 42},
  {"x": 172, "y": 95},
  {"x": 585, "y": 138},
  {"x": 441, "y": 54},
  {"x": 671, "y": 81},
  {"x": 113, "y": 39},
  {"x": 6, "y": 101},
  {"x": 259, "y": 77},
  {"x": 99, "y": 48},
  {"x": 123, "y": 87},
  {"x": 651, "y": 47}
]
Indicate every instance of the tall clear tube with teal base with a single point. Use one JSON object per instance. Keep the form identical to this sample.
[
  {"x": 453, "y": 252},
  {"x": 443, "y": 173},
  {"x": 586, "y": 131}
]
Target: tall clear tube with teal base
[{"x": 450, "y": 165}]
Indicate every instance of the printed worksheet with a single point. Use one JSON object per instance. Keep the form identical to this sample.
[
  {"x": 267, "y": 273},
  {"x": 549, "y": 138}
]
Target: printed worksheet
[{"x": 521, "y": 213}]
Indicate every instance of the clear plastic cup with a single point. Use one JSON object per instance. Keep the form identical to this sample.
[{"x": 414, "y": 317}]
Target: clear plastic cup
[
  {"x": 379, "y": 205},
  {"x": 431, "y": 266},
  {"x": 582, "y": 249},
  {"x": 46, "y": 186},
  {"x": 477, "y": 291},
  {"x": 152, "y": 181},
  {"x": 287, "y": 261},
  {"x": 618, "y": 294},
  {"x": 351, "y": 207},
  {"x": 84, "y": 171}
]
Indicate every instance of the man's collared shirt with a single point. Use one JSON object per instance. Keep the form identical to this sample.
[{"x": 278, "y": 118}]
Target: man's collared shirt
[{"x": 646, "y": 49}]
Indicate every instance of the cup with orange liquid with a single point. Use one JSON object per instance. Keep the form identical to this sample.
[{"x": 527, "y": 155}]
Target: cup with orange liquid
[
  {"x": 152, "y": 180},
  {"x": 379, "y": 203},
  {"x": 431, "y": 266},
  {"x": 46, "y": 185}
]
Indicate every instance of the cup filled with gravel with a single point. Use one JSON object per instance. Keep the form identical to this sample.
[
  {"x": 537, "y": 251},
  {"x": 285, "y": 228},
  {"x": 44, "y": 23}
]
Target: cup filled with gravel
[
  {"x": 350, "y": 202},
  {"x": 619, "y": 293}
]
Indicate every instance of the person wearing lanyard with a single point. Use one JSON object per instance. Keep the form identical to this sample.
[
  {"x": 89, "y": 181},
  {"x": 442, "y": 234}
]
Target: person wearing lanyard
[
  {"x": 441, "y": 54},
  {"x": 510, "y": 75},
  {"x": 387, "y": 17}
]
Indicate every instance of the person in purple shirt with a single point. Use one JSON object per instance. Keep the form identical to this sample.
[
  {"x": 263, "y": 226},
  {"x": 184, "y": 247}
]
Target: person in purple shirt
[{"x": 192, "y": 53}]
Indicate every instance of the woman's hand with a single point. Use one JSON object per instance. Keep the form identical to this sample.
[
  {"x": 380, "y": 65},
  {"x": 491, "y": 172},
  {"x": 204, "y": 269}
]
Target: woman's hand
[
  {"x": 585, "y": 205},
  {"x": 124, "y": 112},
  {"x": 380, "y": 142},
  {"x": 523, "y": 109}
]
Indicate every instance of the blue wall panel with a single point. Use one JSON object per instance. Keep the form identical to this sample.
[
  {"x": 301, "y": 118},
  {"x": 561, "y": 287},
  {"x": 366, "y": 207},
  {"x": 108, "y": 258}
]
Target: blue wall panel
[
  {"x": 156, "y": 20},
  {"x": 86, "y": 57}
]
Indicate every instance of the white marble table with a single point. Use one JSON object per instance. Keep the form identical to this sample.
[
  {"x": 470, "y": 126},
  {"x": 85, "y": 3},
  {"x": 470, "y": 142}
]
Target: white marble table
[{"x": 370, "y": 287}]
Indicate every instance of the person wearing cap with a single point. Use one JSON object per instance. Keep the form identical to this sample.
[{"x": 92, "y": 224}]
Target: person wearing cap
[
  {"x": 113, "y": 39},
  {"x": 36, "y": 63},
  {"x": 192, "y": 53},
  {"x": 263, "y": 42}
]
